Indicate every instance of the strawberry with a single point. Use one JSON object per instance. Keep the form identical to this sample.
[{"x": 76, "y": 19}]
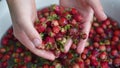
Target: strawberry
[
  {"x": 78, "y": 17},
  {"x": 62, "y": 21},
  {"x": 56, "y": 29},
  {"x": 99, "y": 30},
  {"x": 74, "y": 11}
]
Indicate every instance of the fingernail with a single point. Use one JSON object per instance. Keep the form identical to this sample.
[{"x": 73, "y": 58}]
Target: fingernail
[
  {"x": 36, "y": 42},
  {"x": 103, "y": 17}
]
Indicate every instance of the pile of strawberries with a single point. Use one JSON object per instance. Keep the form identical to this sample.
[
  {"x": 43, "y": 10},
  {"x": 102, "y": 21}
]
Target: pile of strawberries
[{"x": 55, "y": 25}]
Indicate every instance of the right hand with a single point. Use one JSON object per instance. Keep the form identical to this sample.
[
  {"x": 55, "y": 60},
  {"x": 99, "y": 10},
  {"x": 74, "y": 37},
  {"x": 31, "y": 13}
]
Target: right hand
[{"x": 87, "y": 8}]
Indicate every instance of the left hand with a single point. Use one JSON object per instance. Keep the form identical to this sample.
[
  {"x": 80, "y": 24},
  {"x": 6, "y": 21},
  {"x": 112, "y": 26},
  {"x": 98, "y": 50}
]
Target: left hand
[{"x": 87, "y": 8}]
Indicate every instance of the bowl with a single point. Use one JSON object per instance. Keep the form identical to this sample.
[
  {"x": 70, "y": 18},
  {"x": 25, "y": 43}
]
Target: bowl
[{"x": 111, "y": 8}]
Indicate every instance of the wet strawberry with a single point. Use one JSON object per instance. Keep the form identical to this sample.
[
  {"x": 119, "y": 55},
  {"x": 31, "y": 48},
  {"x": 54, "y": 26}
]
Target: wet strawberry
[
  {"x": 69, "y": 55},
  {"x": 19, "y": 50},
  {"x": 56, "y": 29},
  {"x": 78, "y": 18},
  {"x": 45, "y": 66},
  {"x": 117, "y": 32},
  {"x": 54, "y": 23},
  {"x": 2, "y": 50},
  {"x": 6, "y": 57},
  {"x": 96, "y": 44},
  {"x": 74, "y": 11},
  {"x": 83, "y": 56},
  {"x": 99, "y": 30},
  {"x": 81, "y": 64},
  {"x": 116, "y": 61},
  {"x": 62, "y": 21},
  {"x": 49, "y": 40},
  {"x": 27, "y": 59},
  {"x": 52, "y": 67},
  {"x": 114, "y": 52},
  {"x": 87, "y": 62},
  {"x": 115, "y": 38},
  {"x": 4, "y": 41},
  {"x": 104, "y": 64},
  {"x": 73, "y": 46},
  {"x": 1, "y": 55},
  {"x": 102, "y": 48},
  {"x": 103, "y": 55},
  {"x": 75, "y": 66}
]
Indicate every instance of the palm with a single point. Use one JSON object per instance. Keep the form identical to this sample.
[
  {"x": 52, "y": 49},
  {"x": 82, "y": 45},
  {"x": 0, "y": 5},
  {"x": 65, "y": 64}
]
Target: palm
[{"x": 87, "y": 13}]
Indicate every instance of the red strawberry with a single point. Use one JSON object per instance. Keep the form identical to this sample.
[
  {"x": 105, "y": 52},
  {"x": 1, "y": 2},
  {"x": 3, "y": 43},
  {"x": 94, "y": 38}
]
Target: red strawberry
[
  {"x": 99, "y": 30},
  {"x": 102, "y": 48},
  {"x": 94, "y": 62},
  {"x": 27, "y": 59},
  {"x": 85, "y": 51},
  {"x": 108, "y": 48},
  {"x": 83, "y": 56},
  {"x": 114, "y": 52},
  {"x": 1, "y": 55},
  {"x": 115, "y": 38},
  {"x": 4, "y": 64},
  {"x": 73, "y": 22},
  {"x": 2, "y": 50},
  {"x": 57, "y": 9},
  {"x": 6, "y": 57},
  {"x": 41, "y": 28},
  {"x": 117, "y": 32},
  {"x": 78, "y": 18},
  {"x": 104, "y": 26},
  {"x": 107, "y": 22},
  {"x": 75, "y": 65},
  {"x": 19, "y": 50},
  {"x": 73, "y": 46},
  {"x": 56, "y": 29},
  {"x": 118, "y": 47},
  {"x": 96, "y": 44},
  {"x": 17, "y": 60},
  {"x": 104, "y": 64},
  {"x": 74, "y": 11},
  {"x": 87, "y": 62},
  {"x": 4, "y": 41},
  {"x": 42, "y": 20},
  {"x": 70, "y": 55},
  {"x": 49, "y": 40},
  {"x": 52, "y": 66},
  {"x": 103, "y": 55},
  {"x": 62, "y": 21},
  {"x": 45, "y": 10},
  {"x": 54, "y": 23},
  {"x": 116, "y": 61},
  {"x": 81, "y": 64}
]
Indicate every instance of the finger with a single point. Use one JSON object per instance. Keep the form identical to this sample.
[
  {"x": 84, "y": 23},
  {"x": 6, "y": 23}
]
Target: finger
[
  {"x": 25, "y": 18},
  {"x": 97, "y": 7},
  {"x": 22, "y": 37},
  {"x": 86, "y": 29},
  {"x": 67, "y": 3},
  {"x": 67, "y": 45},
  {"x": 31, "y": 32},
  {"x": 81, "y": 46}
]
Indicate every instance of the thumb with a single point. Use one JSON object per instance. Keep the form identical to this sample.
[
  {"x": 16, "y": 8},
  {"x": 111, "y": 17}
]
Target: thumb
[
  {"x": 31, "y": 32},
  {"x": 98, "y": 10}
]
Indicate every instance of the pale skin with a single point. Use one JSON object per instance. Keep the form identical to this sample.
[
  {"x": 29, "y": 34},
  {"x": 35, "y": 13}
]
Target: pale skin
[
  {"x": 87, "y": 8},
  {"x": 24, "y": 13}
]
